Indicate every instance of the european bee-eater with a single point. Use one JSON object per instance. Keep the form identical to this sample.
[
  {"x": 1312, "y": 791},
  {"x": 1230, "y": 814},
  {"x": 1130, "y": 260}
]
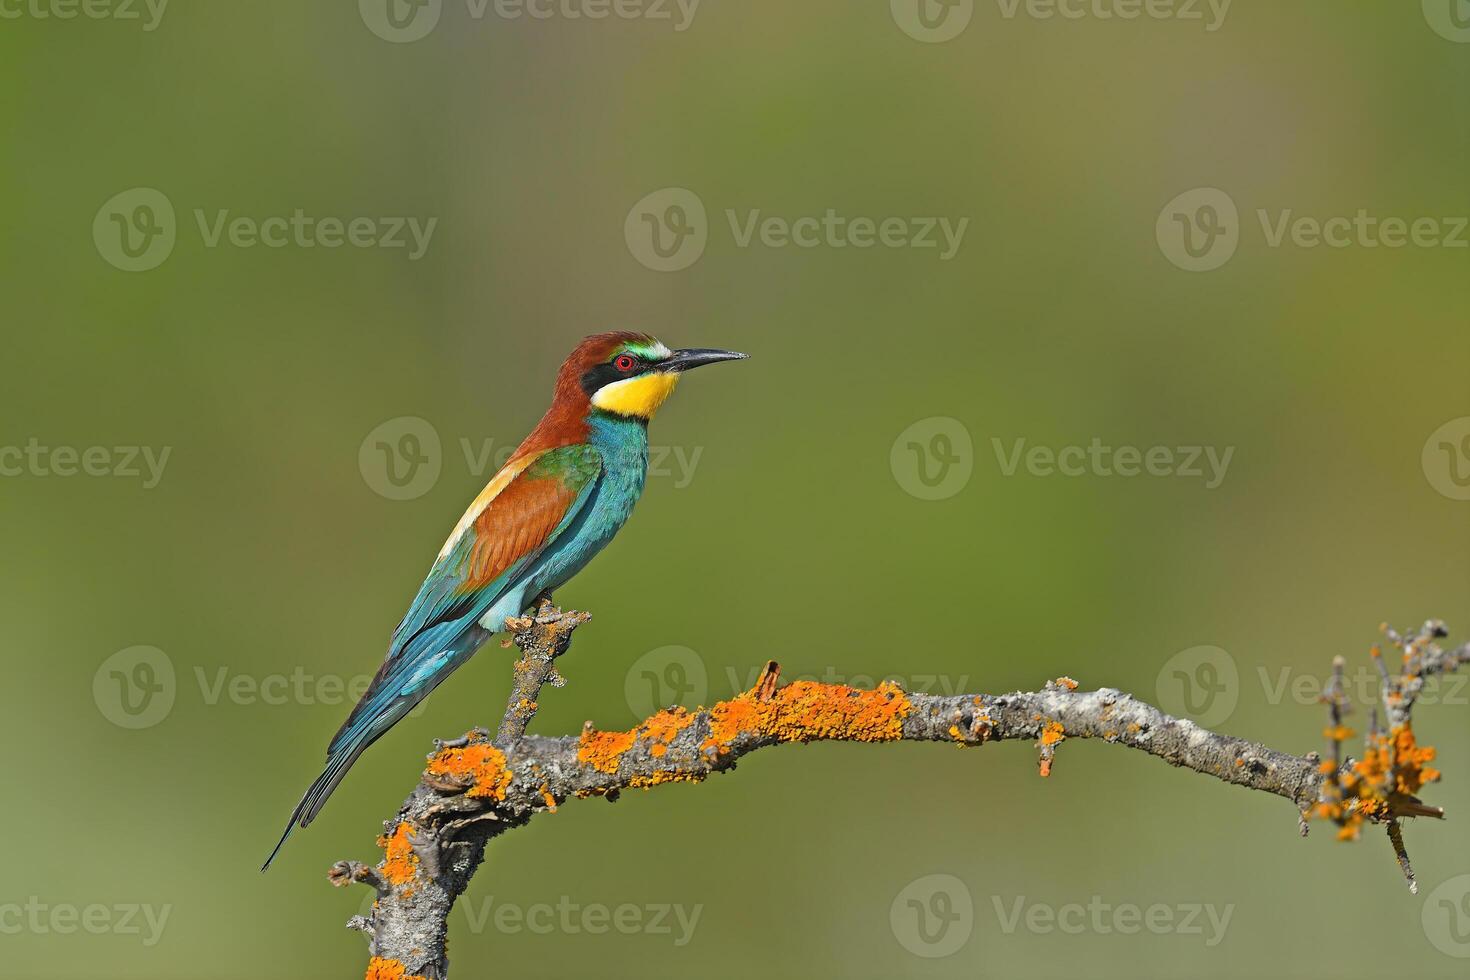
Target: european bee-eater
[{"x": 556, "y": 502}]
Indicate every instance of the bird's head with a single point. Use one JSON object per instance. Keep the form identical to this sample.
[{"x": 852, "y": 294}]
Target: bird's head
[{"x": 631, "y": 374}]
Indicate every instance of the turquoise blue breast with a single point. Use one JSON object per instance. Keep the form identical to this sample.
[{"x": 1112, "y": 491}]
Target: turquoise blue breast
[{"x": 623, "y": 445}]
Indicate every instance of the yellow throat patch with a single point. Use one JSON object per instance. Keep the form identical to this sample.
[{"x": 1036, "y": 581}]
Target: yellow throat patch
[{"x": 639, "y": 397}]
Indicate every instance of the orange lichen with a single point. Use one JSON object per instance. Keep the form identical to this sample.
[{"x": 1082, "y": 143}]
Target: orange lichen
[
  {"x": 381, "y": 968},
  {"x": 479, "y": 764},
  {"x": 604, "y": 750},
  {"x": 1067, "y": 682},
  {"x": 662, "y": 776},
  {"x": 663, "y": 727},
  {"x": 807, "y": 710},
  {"x": 1381, "y": 786},
  {"x": 546, "y": 795},
  {"x": 400, "y": 863},
  {"x": 1403, "y": 757},
  {"x": 1052, "y": 734}
]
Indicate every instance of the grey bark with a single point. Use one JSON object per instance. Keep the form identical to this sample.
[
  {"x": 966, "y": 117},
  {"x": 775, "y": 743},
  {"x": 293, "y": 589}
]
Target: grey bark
[{"x": 451, "y": 825}]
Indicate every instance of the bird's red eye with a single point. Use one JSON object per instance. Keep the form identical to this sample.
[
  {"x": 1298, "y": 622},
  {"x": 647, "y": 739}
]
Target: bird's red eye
[{"x": 624, "y": 362}]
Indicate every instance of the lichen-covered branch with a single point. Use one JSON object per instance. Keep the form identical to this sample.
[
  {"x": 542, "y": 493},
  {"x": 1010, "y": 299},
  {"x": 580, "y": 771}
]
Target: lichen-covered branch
[
  {"x": 477, "y": 787},
  {"x": 1383, "y": 787},
  {"x": 542, "y": 638}
]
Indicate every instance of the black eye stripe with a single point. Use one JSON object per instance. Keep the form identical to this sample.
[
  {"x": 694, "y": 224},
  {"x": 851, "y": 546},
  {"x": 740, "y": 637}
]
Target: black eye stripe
[{"x": 602, "y": 375}]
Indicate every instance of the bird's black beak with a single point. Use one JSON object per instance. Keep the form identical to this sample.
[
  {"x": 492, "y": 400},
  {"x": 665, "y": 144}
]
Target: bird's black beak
[{"x": 693, "y": 357}]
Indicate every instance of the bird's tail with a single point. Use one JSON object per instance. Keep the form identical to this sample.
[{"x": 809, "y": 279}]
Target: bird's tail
[
  {"x": 400, "y": 684},
  {"x": 339, "y": 760}
]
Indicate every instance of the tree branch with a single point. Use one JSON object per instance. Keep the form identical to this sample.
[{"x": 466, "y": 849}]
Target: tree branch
[{"x": 476, "y": 787}]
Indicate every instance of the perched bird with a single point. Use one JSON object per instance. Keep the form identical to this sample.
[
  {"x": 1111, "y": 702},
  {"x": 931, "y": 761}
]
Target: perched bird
[{"x": 558, "y": 501}]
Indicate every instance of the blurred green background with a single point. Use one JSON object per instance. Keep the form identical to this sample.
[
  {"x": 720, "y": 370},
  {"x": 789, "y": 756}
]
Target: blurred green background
[{"x": 268, "y": 565}]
